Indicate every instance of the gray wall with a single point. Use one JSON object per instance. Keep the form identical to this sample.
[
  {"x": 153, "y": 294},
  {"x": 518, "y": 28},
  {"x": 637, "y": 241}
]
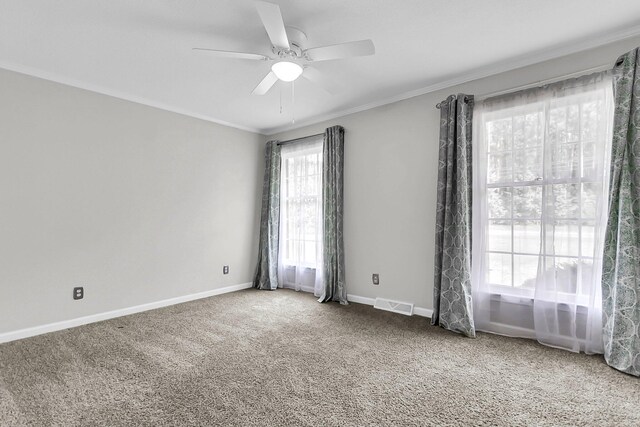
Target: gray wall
[
  {"x": 391, "y": 158},
  {"x": 139, "y": 205},
  {"x": 133, "y": 203}
]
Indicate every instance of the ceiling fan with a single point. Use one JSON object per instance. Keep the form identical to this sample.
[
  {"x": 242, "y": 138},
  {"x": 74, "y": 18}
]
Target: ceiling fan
[{"x": 291, "y": 58}]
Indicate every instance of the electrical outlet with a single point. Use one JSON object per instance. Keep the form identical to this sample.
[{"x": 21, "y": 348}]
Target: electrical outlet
[
  {"x": 78, "y": 293},
  {"x": 375, "y": 278},
  {"x": 225, "y": 269}
]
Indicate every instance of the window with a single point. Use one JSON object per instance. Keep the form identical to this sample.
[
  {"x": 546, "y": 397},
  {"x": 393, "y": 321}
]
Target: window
[
  {"x": 540, "y": 179},
  {"x": 301, "y": 214}
]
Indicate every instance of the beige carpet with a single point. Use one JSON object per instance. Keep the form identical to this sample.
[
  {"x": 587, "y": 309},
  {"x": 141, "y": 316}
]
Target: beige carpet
[{"x": 280, "y": 358}]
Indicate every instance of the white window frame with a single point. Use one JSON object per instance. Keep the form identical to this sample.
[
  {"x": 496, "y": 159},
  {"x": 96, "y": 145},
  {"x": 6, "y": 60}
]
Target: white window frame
[
  {"x": 304, "y": 270},
  {"x": 543, "y": 182}
]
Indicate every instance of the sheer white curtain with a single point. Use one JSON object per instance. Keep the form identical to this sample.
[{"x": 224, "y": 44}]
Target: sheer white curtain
[
  {"x": 541, "y": 163},
  {"x": 300, "y": 255}
]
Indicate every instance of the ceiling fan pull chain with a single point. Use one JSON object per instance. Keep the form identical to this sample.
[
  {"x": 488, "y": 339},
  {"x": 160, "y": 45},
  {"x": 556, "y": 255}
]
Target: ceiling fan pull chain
[{"x": 280, "y": 99}]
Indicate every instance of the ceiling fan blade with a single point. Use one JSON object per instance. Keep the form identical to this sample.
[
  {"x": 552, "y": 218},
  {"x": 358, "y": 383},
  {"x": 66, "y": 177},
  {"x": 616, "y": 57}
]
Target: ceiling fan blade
[
  {"x": 342, "y": 50},
  {"x": 266, "y": 84},
  {"x": 318, "y": 78},
  {"x": 233, "y": 55},
  {"x": 273, "y": 23}
]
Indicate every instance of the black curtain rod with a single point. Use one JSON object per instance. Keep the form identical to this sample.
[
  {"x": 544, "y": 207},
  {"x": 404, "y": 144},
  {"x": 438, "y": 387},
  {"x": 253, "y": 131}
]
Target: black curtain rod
[{"x": 291, "y": 141}]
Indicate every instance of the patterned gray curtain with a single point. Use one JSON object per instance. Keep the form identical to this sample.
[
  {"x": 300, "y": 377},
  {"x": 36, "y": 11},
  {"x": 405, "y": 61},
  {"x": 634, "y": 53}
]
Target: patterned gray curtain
[
  {"x": 332, "y": 208},
  {"x": 621, "y": 265},
  {"x": 452, "y": 307},
  {"x": 267, "y": 270}
]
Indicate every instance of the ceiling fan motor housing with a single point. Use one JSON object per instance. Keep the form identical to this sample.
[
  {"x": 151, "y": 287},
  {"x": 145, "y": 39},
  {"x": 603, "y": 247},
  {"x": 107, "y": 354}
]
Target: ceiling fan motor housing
[
  {"x": 294, "y": 52},
  {"x": 297, "y": 37}
]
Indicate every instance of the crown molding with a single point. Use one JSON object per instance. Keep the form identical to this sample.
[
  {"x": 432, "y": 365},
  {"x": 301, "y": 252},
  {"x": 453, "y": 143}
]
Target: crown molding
[
  {"x": 479, "y": 73},
  {"x": 45, "y": 75}
]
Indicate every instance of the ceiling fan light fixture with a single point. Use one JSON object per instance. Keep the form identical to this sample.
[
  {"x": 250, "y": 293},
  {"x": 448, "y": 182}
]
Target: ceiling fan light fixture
[{"x": 286, "y": 71}]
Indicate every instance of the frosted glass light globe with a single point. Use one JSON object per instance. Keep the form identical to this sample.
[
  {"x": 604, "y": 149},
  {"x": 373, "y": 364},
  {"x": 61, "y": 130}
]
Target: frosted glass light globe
[{"x": 286, "y": 71}]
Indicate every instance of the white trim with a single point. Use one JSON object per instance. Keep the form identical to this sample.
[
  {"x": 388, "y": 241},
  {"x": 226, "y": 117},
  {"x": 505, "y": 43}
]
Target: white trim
[
  {"x": 496, "y": 68},
  {"x": 361, "y": 300},
  {"x": 424, "y": 312},
  {"x": 418, "y": 311},
  {"x": 46, "y": 75},
  {"x": 72, "y": 323}
]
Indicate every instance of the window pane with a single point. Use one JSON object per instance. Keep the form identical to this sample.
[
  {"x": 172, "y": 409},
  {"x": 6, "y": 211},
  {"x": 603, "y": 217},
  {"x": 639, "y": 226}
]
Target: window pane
[
  {"x": 526, "y": 237},
  {"x": 500, "y": 167},
  {"x": 519, "y": 140},
  {"x": 499, "y": 236},
  {"x": 499, "y": 134},
  {"x": 527, "y": 202},
  {"x": 499, "y": 202},
  {"x": 557, "y": 129},
  {"x": 290, "y": 253},
  {"x": 563, "y": 238},
  {"x": 533, "y": 129},
  {"x": 564, "y": 201},
  {"x": 589, "y": 161},
  {"x": 589, "y": 121},
  {"x": 527, "y": 130},
  {"x": 312, "y": 164},
  {"x": 565, "y": 161},
  {"x": 588, "y": 239},
  {"x": 573, "y": 123},
  {"x": 499, "y": 269},
  {"x": 590, "y": 193},
  {"x": 527, "y": 164},
  {"x": 525, "y": 270}
]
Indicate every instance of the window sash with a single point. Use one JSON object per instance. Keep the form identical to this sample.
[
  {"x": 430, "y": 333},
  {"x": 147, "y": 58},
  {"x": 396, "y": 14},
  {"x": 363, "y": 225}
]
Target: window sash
[
  {"x": 301, "y": 194},
  {"x": 544, "y": 181}
]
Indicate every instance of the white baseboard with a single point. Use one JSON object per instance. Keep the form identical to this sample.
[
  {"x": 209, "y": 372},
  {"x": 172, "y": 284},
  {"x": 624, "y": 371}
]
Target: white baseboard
[
  {"x": 418, "y": 311},
  {"x": 72, "y": 323},
  {"x": 361, "y": 300},
  {"x": 424, "y": 312}
]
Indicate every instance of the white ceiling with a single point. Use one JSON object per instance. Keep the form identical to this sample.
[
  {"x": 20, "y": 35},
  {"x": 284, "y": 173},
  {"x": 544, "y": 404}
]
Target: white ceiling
[{"x": 141, "y": 50}]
